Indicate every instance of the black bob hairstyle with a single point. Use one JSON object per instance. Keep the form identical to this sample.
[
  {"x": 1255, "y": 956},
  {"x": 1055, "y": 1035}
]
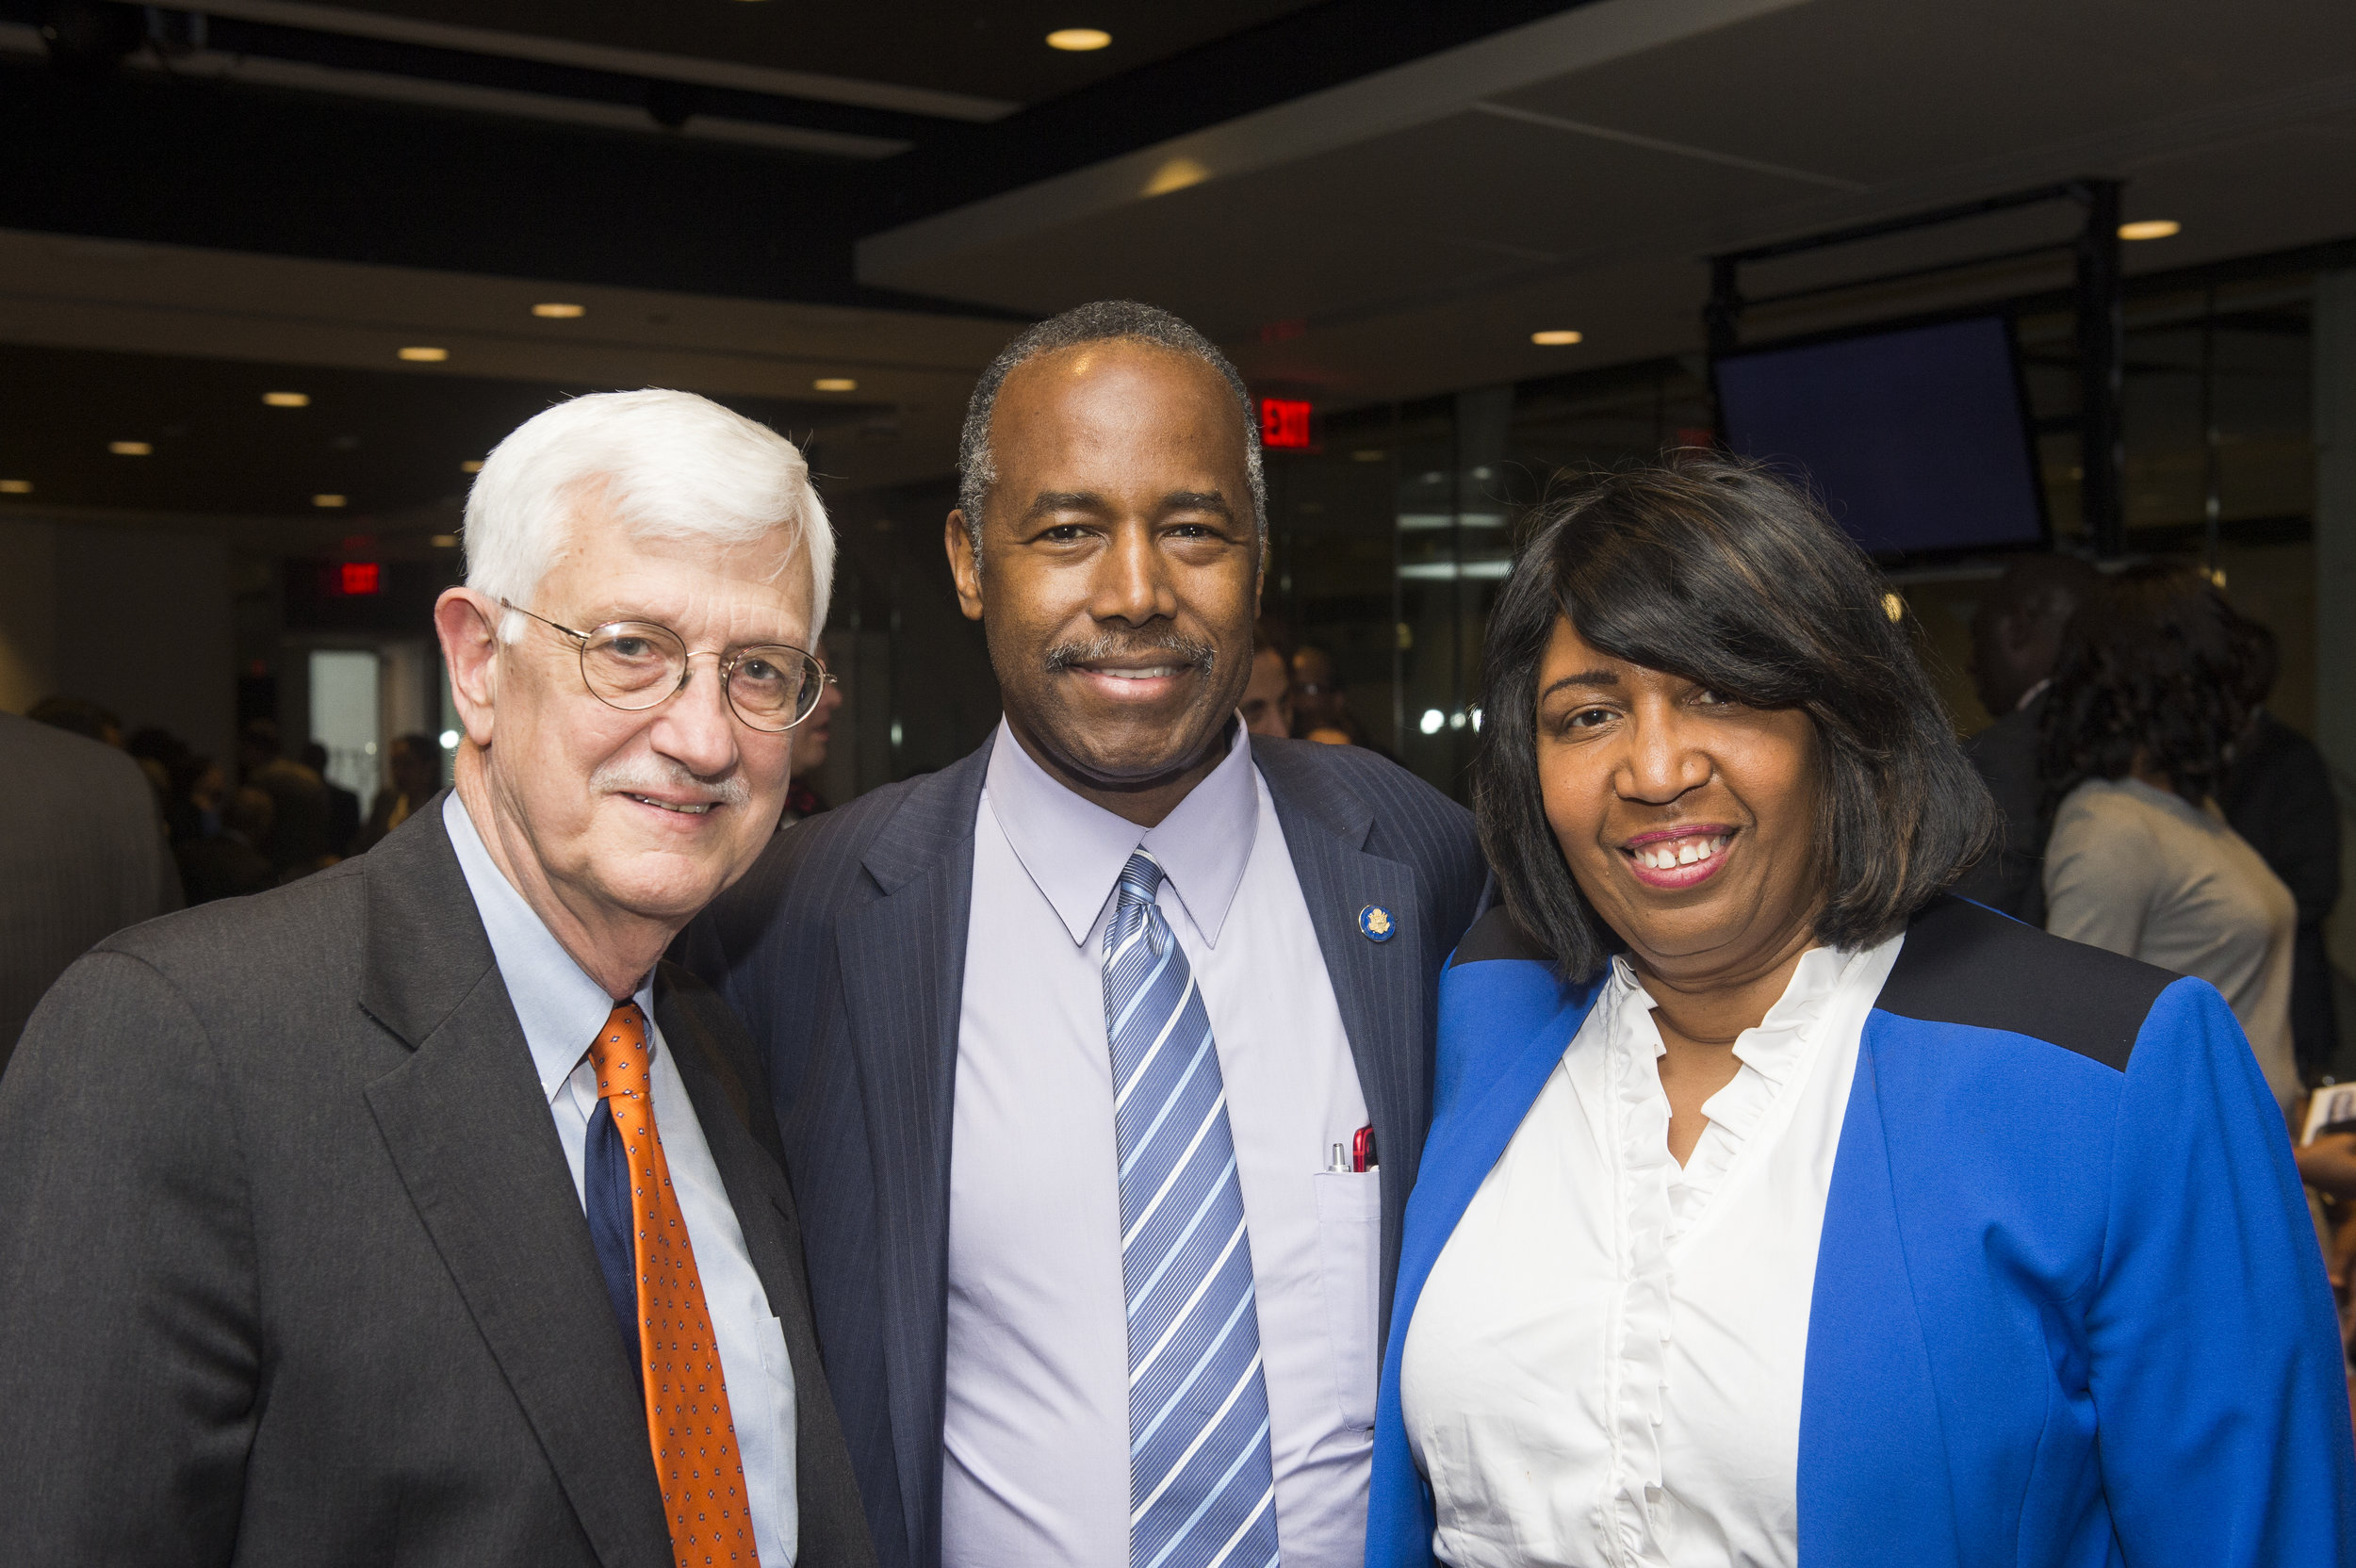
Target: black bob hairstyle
[
  {"x": 2155, "y": 663},
  {"x": 1713, "y": 569}
]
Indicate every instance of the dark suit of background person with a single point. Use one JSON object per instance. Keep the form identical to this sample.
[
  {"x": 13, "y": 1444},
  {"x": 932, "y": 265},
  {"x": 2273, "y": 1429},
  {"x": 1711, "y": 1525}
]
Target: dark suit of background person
[
  {"x": 1117, "y": 530},
  {"x": 2016, "y": 633},
  {"x": 81, "y": 857}
]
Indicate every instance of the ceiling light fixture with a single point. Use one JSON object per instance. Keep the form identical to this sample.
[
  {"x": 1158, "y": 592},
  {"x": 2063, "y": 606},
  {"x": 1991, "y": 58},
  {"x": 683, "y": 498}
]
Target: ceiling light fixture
[
  {"x": 2151, "y": 228},
  {"x": 287, "y": 400},
  {"x": 16, "y": 486},
  {"x": 1556, "y": 338},
  {"x": 1078, "y": 40},
  {"x": 472, "y": 465},
  {"x": 444, "y": 541},
  {"x": 834, "y": 383},
  {"x": 557, "y": 311},
  {"x": 1177, "y": 174},
  {"x": 425, "y": 356},
  {"x": 327, "y": 500},
  {"x": 129, "y": 449}
]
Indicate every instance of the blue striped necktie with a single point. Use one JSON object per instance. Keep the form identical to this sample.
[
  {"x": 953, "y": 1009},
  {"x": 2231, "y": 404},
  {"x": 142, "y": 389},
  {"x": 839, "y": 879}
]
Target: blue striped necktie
[{"x": 1201, "y": 1489}]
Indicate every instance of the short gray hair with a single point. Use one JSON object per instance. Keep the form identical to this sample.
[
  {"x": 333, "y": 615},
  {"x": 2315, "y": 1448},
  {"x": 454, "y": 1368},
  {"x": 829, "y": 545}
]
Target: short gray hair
[
  {"x": 1102, "y": 322},
  {"x": 673, "y": 466}
]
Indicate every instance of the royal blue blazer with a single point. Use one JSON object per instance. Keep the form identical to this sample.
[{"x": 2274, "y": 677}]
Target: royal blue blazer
[{"x": 2070, "y": 1310}]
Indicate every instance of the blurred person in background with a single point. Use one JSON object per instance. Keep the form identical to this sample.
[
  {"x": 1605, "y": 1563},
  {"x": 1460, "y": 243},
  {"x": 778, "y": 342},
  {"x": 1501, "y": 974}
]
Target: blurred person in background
[
  {"x": 343, "y": 806},
  {"x": 233, "y": 859},
  {"x": 2278, "y": 795},
  {"x": 297, "y": 799},
  {"x": 81, "y": 857},
  {"x": 2015, "y": 635},
  {"x": 1777, "y": 1207},
  {"x": 813, "y": 739},
  {"x": 415, "y": 764},
  {"x": 1318, "y": 701},
  {"x": 78, "y": 716},
  {"x": 1267, "y": 701},
  {"x": 2150, "y": 693}
]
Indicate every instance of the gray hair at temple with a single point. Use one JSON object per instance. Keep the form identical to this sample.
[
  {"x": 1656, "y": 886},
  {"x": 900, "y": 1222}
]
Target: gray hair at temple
[{"x": 1102, "y": 322}]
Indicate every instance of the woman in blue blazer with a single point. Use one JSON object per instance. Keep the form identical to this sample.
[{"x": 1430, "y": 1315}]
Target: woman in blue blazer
[{"x": 1778, "y": 1208}]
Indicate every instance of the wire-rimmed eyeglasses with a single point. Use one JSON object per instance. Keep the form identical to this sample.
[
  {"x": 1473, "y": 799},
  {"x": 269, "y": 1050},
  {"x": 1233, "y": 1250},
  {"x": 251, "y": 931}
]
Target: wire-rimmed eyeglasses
[{"x": 635, "y": 665}]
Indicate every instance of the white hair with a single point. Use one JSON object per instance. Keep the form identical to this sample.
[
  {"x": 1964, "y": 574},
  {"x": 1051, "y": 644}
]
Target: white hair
[{"x": 669, "y": 465}]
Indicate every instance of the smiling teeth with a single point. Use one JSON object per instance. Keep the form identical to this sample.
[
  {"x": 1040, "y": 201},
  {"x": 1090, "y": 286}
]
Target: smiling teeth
[
  {"x": 1668, "y": 856},
  {"x": 1155, "y": 673},
  {"x": 696, "y": 811}
]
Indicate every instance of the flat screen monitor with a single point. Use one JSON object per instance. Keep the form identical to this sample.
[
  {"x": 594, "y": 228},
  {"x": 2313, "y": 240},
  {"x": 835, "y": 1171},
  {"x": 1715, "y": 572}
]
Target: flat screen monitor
[{"x": 1917, "y": 438}]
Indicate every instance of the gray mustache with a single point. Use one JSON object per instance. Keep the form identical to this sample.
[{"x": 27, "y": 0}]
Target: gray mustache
[
  {"x": 1173, "y": 648},
  {"x": 643, "y": 776}
]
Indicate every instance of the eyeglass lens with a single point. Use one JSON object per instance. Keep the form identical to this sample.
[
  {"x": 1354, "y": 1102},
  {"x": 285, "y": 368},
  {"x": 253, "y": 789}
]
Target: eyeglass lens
[{"x": 634, "y": 664}]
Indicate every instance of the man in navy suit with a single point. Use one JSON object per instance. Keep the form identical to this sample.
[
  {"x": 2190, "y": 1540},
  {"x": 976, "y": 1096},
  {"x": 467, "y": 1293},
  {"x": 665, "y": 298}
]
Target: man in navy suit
[{"x": 1103, "y": 1056}]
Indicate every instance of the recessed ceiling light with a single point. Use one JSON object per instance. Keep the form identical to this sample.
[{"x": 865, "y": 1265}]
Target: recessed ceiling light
[
  {"x": 472, "y": 465},
  {"x": 2151, "y": 228},
  {"x": 834, "y": 383},
  {"x": 287, "y": 400},
  {"x": 327, "y": 500},
  {"x": 129, "y": 449},
  {"x": 558, "y": 311},
  {"x": 1078, "y": 39},
  {"x": 16, "y": 486},
  {"x": 1556, "y": 338},
  {"x": 446, "y": 541},
  {"x": 425, "y": 356}
]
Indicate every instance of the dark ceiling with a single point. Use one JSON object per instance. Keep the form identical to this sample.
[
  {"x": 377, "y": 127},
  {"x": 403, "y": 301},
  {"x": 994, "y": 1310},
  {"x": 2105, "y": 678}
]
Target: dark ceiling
[
  {"x": 991, "y": 51},
  {"x": 390, "y": 442}
]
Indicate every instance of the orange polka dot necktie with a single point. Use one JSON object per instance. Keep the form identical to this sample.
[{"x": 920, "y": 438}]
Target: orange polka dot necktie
[{"x": 687, "y": 1400}]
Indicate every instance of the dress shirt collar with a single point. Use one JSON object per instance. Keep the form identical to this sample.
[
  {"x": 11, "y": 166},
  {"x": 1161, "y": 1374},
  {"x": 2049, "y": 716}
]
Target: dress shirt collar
[
  {"x": 559, "y": 1005},
  {"x": 1073, "y": 849}
]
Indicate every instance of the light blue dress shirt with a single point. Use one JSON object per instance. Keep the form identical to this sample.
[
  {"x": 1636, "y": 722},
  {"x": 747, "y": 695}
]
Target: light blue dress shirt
[
  {"x": 1036, "y": 1435},
  {"x": 562, "y": 1009}
]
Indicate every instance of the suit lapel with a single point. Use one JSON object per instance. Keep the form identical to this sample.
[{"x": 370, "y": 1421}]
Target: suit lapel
[
  {"x": 1384, "y": 989},
  {"x": 471, "y": 1135},
  {"x": 903, "y": 970}
]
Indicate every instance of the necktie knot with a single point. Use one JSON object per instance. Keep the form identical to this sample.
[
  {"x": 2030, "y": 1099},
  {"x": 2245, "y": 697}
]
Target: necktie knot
[
  {"x": 619, "y": 1053},
  {"x": 1133, "y": 908}
]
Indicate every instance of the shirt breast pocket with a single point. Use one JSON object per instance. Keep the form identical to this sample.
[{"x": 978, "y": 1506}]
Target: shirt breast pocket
[{"x": 1350, "y": 1231}]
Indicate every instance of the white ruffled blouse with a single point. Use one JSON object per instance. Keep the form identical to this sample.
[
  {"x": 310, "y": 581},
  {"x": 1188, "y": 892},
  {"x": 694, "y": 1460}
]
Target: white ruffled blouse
[{"x": 1605, "y": 1365}]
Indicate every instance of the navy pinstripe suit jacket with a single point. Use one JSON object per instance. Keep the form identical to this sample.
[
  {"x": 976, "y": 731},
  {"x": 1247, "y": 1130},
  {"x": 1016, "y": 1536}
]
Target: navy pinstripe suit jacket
[{"x": 843, "y": 951}]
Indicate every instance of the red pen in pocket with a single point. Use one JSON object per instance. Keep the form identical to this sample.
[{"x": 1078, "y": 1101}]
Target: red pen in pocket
[{"x": 1361, "y": 1150}]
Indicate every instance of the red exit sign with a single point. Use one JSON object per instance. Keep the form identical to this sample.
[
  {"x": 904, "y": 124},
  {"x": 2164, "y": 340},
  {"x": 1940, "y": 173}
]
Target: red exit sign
[
  {"x": 1284, "y": 423},
  {"x": 352, "y": 579}
]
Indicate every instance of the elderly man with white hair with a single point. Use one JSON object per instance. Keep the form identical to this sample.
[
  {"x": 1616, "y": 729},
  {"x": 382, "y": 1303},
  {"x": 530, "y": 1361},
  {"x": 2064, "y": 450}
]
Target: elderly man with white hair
[{"x": 419, "y": 1212}]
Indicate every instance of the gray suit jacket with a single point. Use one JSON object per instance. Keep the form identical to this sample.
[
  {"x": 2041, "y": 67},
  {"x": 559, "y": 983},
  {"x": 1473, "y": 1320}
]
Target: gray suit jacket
[
  {"x": 81, "y": 857},
  {"x": 293, "y": 1268},
  {"x": 845, "y": 951}
]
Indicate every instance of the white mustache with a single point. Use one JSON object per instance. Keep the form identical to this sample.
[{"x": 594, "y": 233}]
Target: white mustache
[{"x": 643, "y": 776}]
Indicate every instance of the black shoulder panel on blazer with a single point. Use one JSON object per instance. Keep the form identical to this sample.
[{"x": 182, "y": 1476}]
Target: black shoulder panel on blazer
[
  {"x": 1495, "y": 936},
  {"x": 1965, "y": 964}
]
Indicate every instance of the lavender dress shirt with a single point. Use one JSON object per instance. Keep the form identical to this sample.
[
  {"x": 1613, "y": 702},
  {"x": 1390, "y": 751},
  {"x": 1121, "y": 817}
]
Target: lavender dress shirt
[{"x": 1037, "y": 1435}]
